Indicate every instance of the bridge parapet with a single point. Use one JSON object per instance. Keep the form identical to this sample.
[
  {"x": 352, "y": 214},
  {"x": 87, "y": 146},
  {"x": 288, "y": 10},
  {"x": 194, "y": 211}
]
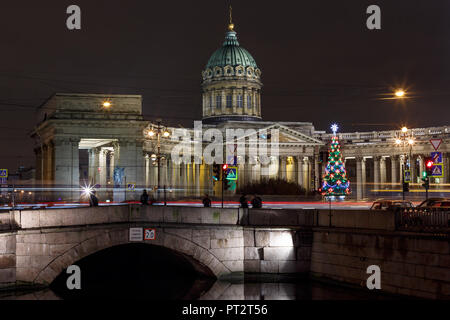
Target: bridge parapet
[
  {"x": 358, "y": 219},
  {"x": 30, "y": 219}
]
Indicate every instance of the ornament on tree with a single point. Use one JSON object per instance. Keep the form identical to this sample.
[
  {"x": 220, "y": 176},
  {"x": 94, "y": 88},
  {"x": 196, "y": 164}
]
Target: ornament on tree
[{"x": 335, "y": 182}]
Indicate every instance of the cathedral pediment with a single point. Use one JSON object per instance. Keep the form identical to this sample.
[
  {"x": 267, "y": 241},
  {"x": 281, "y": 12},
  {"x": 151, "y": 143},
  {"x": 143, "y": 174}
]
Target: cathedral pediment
[{"x": 286, "y": 135}]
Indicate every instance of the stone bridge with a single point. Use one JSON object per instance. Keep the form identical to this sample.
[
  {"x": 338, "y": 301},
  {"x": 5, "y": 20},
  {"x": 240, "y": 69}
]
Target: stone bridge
[{"x": 38, "y": 245}]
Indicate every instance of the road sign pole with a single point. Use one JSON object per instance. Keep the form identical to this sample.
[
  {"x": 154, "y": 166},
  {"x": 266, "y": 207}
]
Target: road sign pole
[
  {"x": 403, "y": 179},
  {"x": 222, "y": 175}
]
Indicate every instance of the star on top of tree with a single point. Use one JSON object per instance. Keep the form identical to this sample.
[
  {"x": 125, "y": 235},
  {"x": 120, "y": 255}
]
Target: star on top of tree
[{"x": 334, "y": 128}]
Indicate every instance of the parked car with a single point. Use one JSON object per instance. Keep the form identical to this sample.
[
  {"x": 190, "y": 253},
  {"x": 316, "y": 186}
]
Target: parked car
[
  {"x": 391, "y": 204},
  {"x": 435, "y": 203}
]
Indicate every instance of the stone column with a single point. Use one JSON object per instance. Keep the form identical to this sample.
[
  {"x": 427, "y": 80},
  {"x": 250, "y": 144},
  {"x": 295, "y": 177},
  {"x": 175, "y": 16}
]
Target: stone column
[
  {"x": 197, "y": 180},
  {"x": 96, "y": 173},
  {"x": 247, "y": 171},
  {"x": 102, "y": 165},
  {"x": 359, "y": 184},
  {"x": 282, "y": 168},
  {"x": 184, "y": 177},
  {"x": 147, "y": 171},
  {"x": 254, "y": 102},
  {"x": 111, "y": 167},
  {"x": 300, "y": 171},
  {"x": 224, "y": 102},
  {"x": 382, "y": 171},
  {"x": 49, "y": 163},
  {"x": 363, "y": 176},
  {"x": 413, "y": 169},
  {"x": 422, "y": 165},
  {"x": 316, "y": 173},
  {"x": 307, "y": 174},
  {"x": 401, "y": 162},
  {"x": 376, "y": 172},
  {"x": 234, "y": 101},
  {"x": 67, "y": 168},
  {"x": 190, "y": 187},
  {"x": 394, "y": 170}
]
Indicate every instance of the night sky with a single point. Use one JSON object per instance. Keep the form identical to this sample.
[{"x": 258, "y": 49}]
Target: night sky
[{"x": 319, "y": 62}]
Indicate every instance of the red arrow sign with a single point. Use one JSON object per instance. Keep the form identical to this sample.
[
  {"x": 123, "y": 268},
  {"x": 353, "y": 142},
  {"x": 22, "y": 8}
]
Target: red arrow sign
[{"x": 436, "y": 143}]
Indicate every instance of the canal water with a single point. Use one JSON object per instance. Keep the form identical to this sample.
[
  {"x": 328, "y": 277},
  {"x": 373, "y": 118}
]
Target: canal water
[{"x": 139, "y": 271}]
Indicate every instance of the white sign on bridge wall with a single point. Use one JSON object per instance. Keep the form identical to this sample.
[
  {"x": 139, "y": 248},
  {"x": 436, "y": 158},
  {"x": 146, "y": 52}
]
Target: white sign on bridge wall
[{"x": 136, "y": 234}]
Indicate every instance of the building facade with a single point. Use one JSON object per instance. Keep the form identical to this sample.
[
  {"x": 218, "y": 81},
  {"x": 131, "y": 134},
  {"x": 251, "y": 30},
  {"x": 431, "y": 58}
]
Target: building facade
[{"x": 80, "y": 141}]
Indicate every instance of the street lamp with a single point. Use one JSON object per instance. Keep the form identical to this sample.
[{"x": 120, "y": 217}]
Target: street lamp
[
  {"x": 157, "y": 131},
  {"x": 106, "y": 104},
  {"x": 400, "y": 93},
  {"x": 404, "y": 139}
]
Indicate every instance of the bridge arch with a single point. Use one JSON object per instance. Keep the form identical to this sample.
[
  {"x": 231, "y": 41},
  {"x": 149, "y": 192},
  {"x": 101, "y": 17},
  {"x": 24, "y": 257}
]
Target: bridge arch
[{"x": 201, "y": 259}]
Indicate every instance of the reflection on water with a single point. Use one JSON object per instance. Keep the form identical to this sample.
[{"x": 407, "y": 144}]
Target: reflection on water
[{"x": 224, "y": 290}]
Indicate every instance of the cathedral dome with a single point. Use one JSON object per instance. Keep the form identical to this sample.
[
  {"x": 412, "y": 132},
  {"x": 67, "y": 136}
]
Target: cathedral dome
[
  {"x": 231, "y": 54},
  {"x": 231, "y": 84}
]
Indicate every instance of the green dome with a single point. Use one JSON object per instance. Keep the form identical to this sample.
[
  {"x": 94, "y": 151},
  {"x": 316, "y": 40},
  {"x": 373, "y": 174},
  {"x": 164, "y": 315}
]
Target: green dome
[{"x": 231, "y": 54}]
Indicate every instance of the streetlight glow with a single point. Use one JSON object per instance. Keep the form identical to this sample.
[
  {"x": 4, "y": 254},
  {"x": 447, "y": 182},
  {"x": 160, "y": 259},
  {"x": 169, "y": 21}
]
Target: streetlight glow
[
  {"x": 399, "y": 93},
  {"x": 151, "y": 133},
  {"x": 398, "y": 141},
  {"x": 106, "y": 104},
  {"x": 166, "y": 134},
  {"x": 411, "y": 141},
  {"x": 404, "y": 129}
]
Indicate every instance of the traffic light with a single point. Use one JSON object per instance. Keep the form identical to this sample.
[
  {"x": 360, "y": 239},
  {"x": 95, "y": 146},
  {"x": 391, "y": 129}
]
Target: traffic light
[
  {"x": 429, "y": 165},
  {"x": 405, "y": 187},
  {"x": 225, "y": 181},
  {"x": 216, "y": 172}
]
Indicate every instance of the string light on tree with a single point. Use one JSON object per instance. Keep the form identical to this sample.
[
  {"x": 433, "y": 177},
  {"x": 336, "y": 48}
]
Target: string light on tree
[{"x": 335, "y": 181}]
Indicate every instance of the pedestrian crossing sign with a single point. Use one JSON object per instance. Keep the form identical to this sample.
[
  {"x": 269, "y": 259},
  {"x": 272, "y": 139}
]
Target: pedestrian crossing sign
[
  {"x": 437, "y": 171},
  {"x": 131, "y": 186},
  {"x": 232, "y": 173},
  {"x": 3, "y": 173}
]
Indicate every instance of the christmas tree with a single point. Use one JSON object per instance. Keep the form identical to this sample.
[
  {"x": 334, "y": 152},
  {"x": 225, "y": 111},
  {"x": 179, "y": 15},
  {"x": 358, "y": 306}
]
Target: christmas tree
[{"x": 335, "y": 181}]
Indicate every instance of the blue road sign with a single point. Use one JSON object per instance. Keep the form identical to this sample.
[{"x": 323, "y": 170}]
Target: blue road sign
[
  {"x": 3, "y": 180},
  {"x": 407, "y": 176},
  {"x": 3, "y": 173},
  {"x": 437, "y": 171},
  {"x": 232, "y": 173},
  {"x": 437, "y": 157}
]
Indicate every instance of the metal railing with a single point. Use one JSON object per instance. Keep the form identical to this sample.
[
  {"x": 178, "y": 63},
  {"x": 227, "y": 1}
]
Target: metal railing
[{"x": 423, "y": 220}]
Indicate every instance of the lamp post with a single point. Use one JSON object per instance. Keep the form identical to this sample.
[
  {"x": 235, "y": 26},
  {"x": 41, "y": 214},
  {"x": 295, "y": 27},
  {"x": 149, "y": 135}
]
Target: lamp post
[
  {"x": 156, "y": 131},
  {"x": 403, "y": 139}
]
